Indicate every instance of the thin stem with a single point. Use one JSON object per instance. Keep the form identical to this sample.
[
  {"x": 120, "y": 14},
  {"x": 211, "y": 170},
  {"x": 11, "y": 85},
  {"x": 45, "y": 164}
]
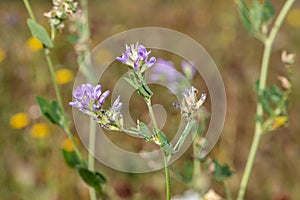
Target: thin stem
[
  {"x": 84, "y": 36},
  {"x": 167, "y": 176},
  {"x": 52, "y": 74},
  {"x": 185, "y": 133},
  {"x": 92, "y": 139},
  {"x": 196, "y": 163},
  {"x": 29, "y": 10},
  {"x": 227, "y": 191},
  {"x": 262, "y": 84},
  {"x": 196, "y": 166},
  {"x": 128, "y": 131},
  {"x": 60, "y": 103},
  {"x": 153, "y": 119},
  {"x": 165, "y": 154}
]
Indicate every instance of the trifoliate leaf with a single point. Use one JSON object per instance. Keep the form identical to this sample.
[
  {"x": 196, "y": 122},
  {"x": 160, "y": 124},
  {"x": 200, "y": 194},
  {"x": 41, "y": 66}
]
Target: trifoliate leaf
[
  {"x": 71, "y": 158},
  {"x": 51, "y": 111},
  {"x": 221, "y": 172},
  {"x": 93, "y": 179},
  {"x": 39, "y": 32}
]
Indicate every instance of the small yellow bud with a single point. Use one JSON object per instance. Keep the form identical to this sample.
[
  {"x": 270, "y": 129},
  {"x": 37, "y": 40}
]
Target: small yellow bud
[{"x": 278, "y": 122}]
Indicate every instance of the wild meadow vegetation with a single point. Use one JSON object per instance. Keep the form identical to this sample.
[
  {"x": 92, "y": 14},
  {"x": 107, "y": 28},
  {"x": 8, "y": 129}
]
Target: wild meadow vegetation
[{"x": 253, "y": 43}]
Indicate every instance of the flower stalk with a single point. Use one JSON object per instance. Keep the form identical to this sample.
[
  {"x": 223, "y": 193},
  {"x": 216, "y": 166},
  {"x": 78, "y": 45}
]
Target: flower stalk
[
  {"x": 56, "y": 88},
  {"x": 268, "y": 43}
]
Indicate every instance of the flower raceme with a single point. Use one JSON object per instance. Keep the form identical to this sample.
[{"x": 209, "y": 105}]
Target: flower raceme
[
  {"x": 61, "y": 10},
  {"x": 90, "y": 99},
  {"x": 136, "y": 57},
  {"x": 190, "y": 106}
]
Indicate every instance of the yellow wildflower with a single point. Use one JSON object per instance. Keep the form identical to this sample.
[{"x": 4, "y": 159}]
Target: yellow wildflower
[
  {"x": 278, "y": 122},
  {"x": 64, "y": 76},
  {"x": 19, "y": 120},
  {"x": 40, "y": 130},
  {"x": 293, "y": 17},
  {"x": 67, "y": 144},
  {"x": 2, "y": 55},
  {"x": 34, "y": 44}
]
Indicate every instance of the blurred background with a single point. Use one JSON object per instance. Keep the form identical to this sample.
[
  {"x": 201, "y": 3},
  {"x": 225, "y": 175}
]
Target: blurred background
[{"x": 32, "y": 166}]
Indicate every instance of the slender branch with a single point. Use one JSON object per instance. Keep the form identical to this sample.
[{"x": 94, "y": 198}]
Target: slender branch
[
  {"x": 29, "y": 10},
  {"x": 152, "y": 114},
  {"x": 185, "y": 133},
  {"x": 167, "y": 176},
  {"x": 165, "y": 154},
  {"x": 84, "y": 35},
  {"x": 227, "y": 191},
  {"x": 92, "y": 139},
  {"x": 58, "y": 95},
  {"x": 262, "y": 84}
]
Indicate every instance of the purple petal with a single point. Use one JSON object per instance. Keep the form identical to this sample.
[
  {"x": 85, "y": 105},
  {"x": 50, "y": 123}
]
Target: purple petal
[
  {"x": 103, "y": 96},
  {"x": 151, "y": 61},
  {"x": 142, "y": 52},
  {"x": 97, "y": 92},
  {"x": 136, "y": 64}
]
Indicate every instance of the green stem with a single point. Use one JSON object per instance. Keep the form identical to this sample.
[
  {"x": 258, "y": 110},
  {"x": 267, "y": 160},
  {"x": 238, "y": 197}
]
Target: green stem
[
  {"x": 262, "y": 84},
  {"x": 185, "y": 133},
  {"x": 196, "y": 166},
  {"x": 29, "y": 10},
  {"x": 52, "y": 74},
  {"x": 166, "y": 159},
  {"x": 227, "y": 191},
  {"x": 92, "y": 139},
  {"x": 84, "y": 36},
  {"x": 167, "y": 176},
  {"x": 60, "y": 103},
  {"x": 153, "y": 119}
]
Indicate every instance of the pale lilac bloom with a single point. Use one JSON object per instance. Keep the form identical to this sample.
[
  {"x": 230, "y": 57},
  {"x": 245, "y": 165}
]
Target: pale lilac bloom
[
  {"x": 136, "y": 56},
  {"x": 88, "y": 99},
  {"x": 116, "y": 110},
  {"x": 188, "y": 69},
  {"x": 164, "y": 70}
]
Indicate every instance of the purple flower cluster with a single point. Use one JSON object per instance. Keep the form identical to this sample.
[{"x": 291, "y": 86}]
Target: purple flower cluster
[
  {"x": 89, "y": 100},
  {"x": 136, "y": 56},
  {"x": 165, "y": 72}
]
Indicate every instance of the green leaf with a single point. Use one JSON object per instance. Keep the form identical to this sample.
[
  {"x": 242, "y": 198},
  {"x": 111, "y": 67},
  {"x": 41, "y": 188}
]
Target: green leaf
[
  {"x": 165, "y": 145},
  {"x": 268, "y": 12},
  {"x": 71, "y": 158},
  {"x": 256, "y": 14},
  {"x": 39, "y": 32},
  {"x": 100, "y": 177},
  {"x": 162, "y": 137},
  {"x": 186, "y": 173},
  {"x": 51, "y": 111},
  {"x": 131, "y": 82},
  {"x": 144, "y": 131},
  {"x": 221, "y": 172},
  {"x": 93, "y": 179},
  {"x": 245, "y": 15}
]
